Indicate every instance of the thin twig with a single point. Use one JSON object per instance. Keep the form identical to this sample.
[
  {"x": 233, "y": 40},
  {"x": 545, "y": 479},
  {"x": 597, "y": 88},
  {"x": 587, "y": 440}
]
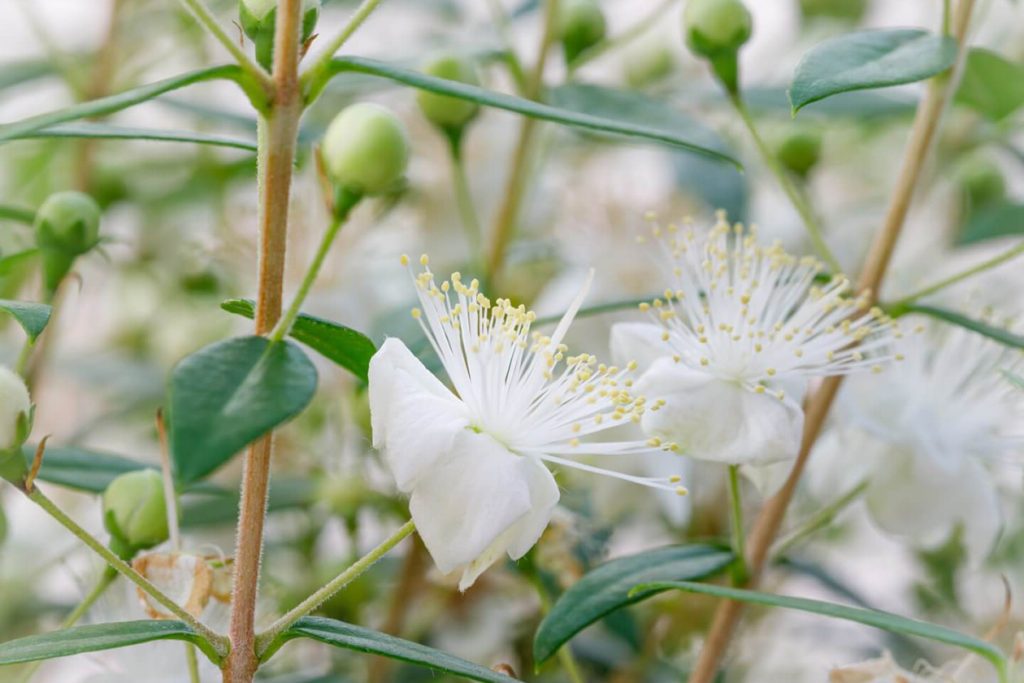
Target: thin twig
[
  {"x": 170, "y": 498},
  {"x": 321, "y": 65},
  {"x": 205, "y": 17},
  {"x": 1000, "y": 259}
]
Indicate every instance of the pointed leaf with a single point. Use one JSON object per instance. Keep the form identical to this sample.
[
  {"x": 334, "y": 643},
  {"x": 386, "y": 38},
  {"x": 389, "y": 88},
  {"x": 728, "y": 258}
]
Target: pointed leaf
[
  {"x": 1002, "y": 220},
  {"x": 340, "y": 634},
  {"x": 122, "y": 100},
  {"x": 32, "y": 317},
  {"x": 348, "y": 348},
  {"x": 882, "y": 620},
  {"x": 537, "y": 110},
  {"x": 108, "y": 131},
  {"x": 869, "y": 59},
  {"x": 991, "y": 85},
  {"x": 96, "y": 637},
  {"x": 227, "y": 395},
  {"x": 17, "y": 213},
  {"x": 607, "y": 588},
  {"x": 991, "y": 331},
  {"x": 79, "y": 469}
]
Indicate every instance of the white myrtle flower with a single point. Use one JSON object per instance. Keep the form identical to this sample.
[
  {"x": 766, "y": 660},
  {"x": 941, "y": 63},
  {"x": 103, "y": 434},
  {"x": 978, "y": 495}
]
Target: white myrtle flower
[
  {"x": 734, "y": 340},
  {"x": 933, "y": 431},
  {"x": 473, "y": 459}
]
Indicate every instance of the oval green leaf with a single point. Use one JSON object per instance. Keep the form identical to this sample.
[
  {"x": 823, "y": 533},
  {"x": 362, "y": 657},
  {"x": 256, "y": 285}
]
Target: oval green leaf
[
  {"x": 608, "y": 588},
  {"x": 227, "y": 395},
  {"x": 348, "y": 348},
  {"x": 32, "y": 317},
  {"x": 991, "y": 84},
  {"x": 885, "y": 621},
  {"x": 111, "y": 132},
  {"x": 114, "y": 103},
  {"x": 869, "y": 59},
  {"x": 96, "y": 637},
  {"x": 536, "y": 110},
  {"x": 348, "y": 636}
]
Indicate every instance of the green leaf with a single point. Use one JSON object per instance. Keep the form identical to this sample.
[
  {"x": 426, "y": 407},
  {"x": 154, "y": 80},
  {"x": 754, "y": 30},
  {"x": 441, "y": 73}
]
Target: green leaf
[
  {"x": 221, "y": 506},
  {"x": 32, "y": 317},
  {"x": 882, "y": 620},
  {"x": 607, "y": 588},
  {"x": 108, "y": 131},
  {"x": 348, "y": 348},
  {"x": 1002, "y": 220},
  {"x": 17, "y": 213},
  {"x": 869, "y": 59},
  {"x": 227, "y": 395},
  {"x": 619, "y": 105},
  {"x": 11, "y": 262},
  {"x": 17, "y": 73},
  {"x": 991, "y": 84},
  {"x": 80, "y": 469},
  {"x": 96, "y": 637},
  {"x": 1016, "y": 380},
  {"x": 114, "y": 103},
  {"x": 992, "y": 332},
  {"x": 340, "y": 634},
  {"x": 525, "y": 107}
]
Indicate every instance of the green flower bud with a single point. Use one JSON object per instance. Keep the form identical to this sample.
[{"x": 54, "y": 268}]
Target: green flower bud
[
  {"x": 843, "y": 10},
  {"x": 67, "y": 225},
  {"x": 258, "y": 19},
  {"x": 581, "y": 25},
  {"x": 450, "y": 114},
  {"x": 982, "y": 183},
  {"x": 716, "y": 29},
  {"x": 15, "y": 410},
  {"x": 799, "y": 151},
  {"x": 365, "y": 149},
  {"x": 134, "y": 512}
]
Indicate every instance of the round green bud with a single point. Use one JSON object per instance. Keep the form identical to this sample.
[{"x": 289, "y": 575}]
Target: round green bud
[
  {"x": 365, "y": 149},
  {"x": 843, "y": 10},
  {"x": 799, "y": 151},
  {"x": 15, "y": 410},
  {"x": 714, "y": 27},
  {"x": 134, "y": 511},
  {"x": 581, "y": 25},
  {"x": 68, "y": 222},
  {"x": 982, "y": 183},
  {"x": 449, "y": 113},
  {"x": 258, "y": 20}
]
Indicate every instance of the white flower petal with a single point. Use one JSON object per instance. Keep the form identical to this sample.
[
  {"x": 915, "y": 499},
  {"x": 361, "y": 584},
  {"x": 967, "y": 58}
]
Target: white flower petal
[
  {"x": 413, "y": 416},
  {"x": 469, "y": 498},
  {"x": 712, "y": 419},
  {"x": 640, "y": 342},
  {"x": 913, "y": 498}
]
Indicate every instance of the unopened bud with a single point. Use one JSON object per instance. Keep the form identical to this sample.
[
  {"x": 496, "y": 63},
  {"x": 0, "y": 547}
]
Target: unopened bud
[
  {"x": 258, "y": 19},
  {"x": 365, "y": 149},
  {"x": 799, "y": 151},
  {"x": 581, "y": 25},
  {"x": 450, "y": 114},
  {"x": 134, "y": 512},
  {"x": 715, "y": 30},
  {"x": 67, "y": 225}
]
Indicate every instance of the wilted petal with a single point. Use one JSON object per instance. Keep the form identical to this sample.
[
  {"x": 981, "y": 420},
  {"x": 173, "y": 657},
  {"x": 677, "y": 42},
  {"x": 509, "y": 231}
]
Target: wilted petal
[
  {"x": 413, "y": 416},
  {"x": 185, "y": 579},
  {"x": 716, "y": 420},
  {"x": 472, "y": 496}
]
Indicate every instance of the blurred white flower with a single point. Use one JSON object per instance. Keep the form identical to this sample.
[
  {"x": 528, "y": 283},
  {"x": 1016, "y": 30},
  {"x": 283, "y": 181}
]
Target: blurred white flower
[
  {"x": 472, "y": 459},
  {"x": 881, "y": 670},
  {"x": 943, "y": 415},
  {"x": 735, "y": 339}
]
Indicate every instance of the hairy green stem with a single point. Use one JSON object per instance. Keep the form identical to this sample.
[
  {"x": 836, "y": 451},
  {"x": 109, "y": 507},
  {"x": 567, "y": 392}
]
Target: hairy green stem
[
  {"x": 218, "y": 642},
  {"x": 205, "y": 17},
  {"x": 796, "y": 198},
  {"x": 266, "y": 641},
  {"x": 1000, "y": 259},
  {"x": 739, "y": 542}
]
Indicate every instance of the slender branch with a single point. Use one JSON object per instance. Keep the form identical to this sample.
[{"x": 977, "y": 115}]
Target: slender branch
[
  {"x": 320, "y": 68},
  {"x": 205, "y": 17},
  {"x": 796, "y": 197},
  {"x": 818, "y": 520},
  {"x": 1000, "y": 259},
  {"x": 739, "y": 568},
  {"x": 515, "y": 186},
  {"x": 266, "y": 640},
  {"x": 218, "y": 642},
  {"x": 277, "y": 135},
  {"x": 192, "y": 662},
  {"x": 769, "y": 521}
]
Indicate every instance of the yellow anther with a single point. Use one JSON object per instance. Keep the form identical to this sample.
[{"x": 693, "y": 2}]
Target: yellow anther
[{"x": 404, "y": 260}]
